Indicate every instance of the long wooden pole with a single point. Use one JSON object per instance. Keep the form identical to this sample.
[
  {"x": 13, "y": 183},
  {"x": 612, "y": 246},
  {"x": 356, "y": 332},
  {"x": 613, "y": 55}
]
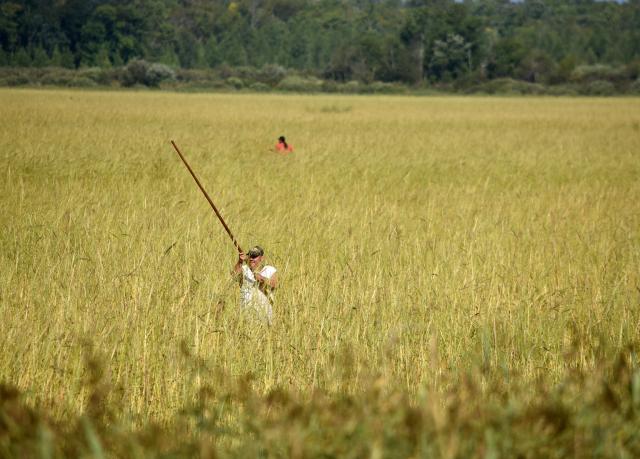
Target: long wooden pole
[{"x": 213, "y": 206}]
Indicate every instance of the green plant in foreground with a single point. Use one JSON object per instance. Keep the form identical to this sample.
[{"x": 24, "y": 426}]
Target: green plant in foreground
[{"x": 595, "y": 414}]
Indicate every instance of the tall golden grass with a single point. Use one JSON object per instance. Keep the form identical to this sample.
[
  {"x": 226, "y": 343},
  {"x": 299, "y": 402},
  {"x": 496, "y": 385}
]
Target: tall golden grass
[{"x": 417, "y": 239}]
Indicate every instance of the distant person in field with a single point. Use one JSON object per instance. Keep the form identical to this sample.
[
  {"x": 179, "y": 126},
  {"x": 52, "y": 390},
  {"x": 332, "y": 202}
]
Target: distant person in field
[
  {"x": 257, "y": 283},
  {"x": 282, "y": 146}
]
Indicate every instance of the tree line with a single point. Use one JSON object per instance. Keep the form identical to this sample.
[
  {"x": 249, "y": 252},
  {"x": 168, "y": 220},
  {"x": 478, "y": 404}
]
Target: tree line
[{"x": 412, "y": 42}]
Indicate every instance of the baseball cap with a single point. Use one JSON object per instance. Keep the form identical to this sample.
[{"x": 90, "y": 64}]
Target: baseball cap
[{"x": 255, "y": 251}]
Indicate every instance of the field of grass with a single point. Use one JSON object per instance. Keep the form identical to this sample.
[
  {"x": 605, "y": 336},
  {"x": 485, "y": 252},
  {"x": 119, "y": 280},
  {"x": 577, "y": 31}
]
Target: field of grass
[{"x": 432, "y": 252}]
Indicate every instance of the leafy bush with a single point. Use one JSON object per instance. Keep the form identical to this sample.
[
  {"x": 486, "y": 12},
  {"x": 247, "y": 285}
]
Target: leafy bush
[
  {"x": 599, "y": 88},
  {"x": 197, "y": 76},
  {"x": 225, "y": 71},
  {"x": 57, "y": 77},
  {"x": 96, "y": 74},
  {"x": 82, "y": 82},
  {"x": 300, "y": 84},
  {"x": 379, "y": 87},
  {"x": 507, "y": 86},
  {"x": 259, "y": 87},
  {"x": 246, "y": 73},
  {"x": 352, "y": 86},
  {"x": 140, "y": 72},
  {"x": 16, "y": 80},
  {"x": 563, "y": 90},
  {"x": 235, "y": 82},
  {"x": 10, "y": 76},
  {"x": 632, "y": 70},
  {"x": 600, "y": 72},
  {"x": 634, "y": 88},
  {"x": 271, "y": 74},
  {"x": 329, "y": 86},
  {"x": 157, "y": 73},
  {"x": 135, "y": 72}
]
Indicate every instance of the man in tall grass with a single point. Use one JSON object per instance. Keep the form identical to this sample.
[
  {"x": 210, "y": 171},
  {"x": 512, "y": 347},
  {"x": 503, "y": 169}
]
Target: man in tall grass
[{"x": 257, "y": 283}]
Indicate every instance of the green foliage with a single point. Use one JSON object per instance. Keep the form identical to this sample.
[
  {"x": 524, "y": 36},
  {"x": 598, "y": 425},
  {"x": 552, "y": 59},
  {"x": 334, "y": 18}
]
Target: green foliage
[
  {"x": 379, "y": 87},
  {"x": 599, "y": 88},
  {"x": 21, "y": 58},
  {"x": 300, "y": 84},
  {"x": 234, "y": 52},
  {"x": 271, "y": 74},
  {"x": 212, "y": 53},
  {"x": 235, "y": 82},
  {"x": 135, "y": 73},
  {"x": 445, "y": 42},
  {"x": 102, "y": 57},
  {"x": 537, "y": 67},
  {"x": 57, "y": 77},
  {"x": 62, "y": 57},
  {"x": 450, "y": 58},
  {"x": 81, "y": 82},
  {"x": 140, "y": 72},
  {"x": 158, "y": 73},
  {"x": 352, "y": 86},
  {"x": 97, "y": 75},
  {"x": 259, "y": 87},
  {"x": 507, "y": 86},
  {"x": 595, "y": 411},
  {"x": 593, "y": 73},
  {"x": 40, "y": 58}
]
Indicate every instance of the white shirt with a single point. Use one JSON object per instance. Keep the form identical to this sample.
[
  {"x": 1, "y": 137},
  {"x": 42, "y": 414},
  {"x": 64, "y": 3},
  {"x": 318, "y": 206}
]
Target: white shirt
[{"x": 251, "y": 297}]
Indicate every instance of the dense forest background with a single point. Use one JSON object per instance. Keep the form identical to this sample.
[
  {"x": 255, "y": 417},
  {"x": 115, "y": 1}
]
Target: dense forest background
[{"x": 438, "y": 43}]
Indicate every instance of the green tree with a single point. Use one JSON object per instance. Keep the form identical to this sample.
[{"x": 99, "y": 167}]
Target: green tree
[
  {"x": 39, "y": 57},
  {"x": 537, "y": 67},
  {"x": 564, "y": 69},
  {"x": 62, "y": 57},
  {"x": 390, "y": 40},
  {"x": 4, "y": 58},
  {"x": 234, "y": 52},
  {"x": 9, "y": 24},
  {"x": 93, "y": 34},
  {"x": 212, "y": 52},
  {"x": 200, "y": 57},
  {"x": 102, "y": 58},
  {"x": 21, "y": 58},
  {"x": 187, "y": 49},
  {"x": 169, "y": 57},
  {"x": 413, "y": 37},
  {"x": 450, "y": 58},
  {"x": 507, "y": 55}
]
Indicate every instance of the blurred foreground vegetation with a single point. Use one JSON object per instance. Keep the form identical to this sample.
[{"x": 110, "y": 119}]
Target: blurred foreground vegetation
[{"x": 487, "y": 413}]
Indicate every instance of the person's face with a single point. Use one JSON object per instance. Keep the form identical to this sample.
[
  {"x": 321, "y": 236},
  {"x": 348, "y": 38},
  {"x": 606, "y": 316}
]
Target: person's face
[{"x": 255, "y": 262}]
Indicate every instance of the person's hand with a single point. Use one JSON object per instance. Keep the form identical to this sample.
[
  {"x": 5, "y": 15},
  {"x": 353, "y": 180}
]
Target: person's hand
[{"x": 242, "y": 257}]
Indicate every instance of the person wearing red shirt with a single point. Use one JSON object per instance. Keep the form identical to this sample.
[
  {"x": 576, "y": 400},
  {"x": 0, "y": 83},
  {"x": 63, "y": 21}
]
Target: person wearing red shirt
[{"x": 282, "y": 146}]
